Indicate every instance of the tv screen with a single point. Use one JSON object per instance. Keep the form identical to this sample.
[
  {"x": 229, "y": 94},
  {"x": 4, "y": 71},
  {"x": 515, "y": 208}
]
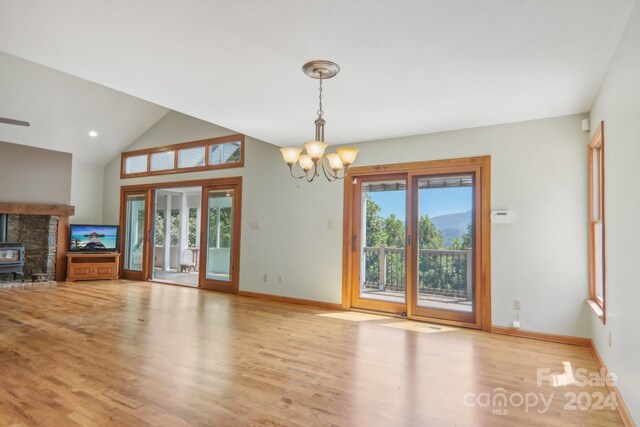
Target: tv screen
[{"x": 93, "y": 238}]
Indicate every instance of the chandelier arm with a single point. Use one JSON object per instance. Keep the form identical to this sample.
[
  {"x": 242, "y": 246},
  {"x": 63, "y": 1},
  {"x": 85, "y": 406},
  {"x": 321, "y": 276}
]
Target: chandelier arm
[
  {"x": 313, "y": 176},
  {"x": 344, "y": 173},
  {"x": 313, "y": 171},
  {"x": 327, "y": 173},
  {"x": 329, "y": 176},
  {"x": 292, "y": 174}
]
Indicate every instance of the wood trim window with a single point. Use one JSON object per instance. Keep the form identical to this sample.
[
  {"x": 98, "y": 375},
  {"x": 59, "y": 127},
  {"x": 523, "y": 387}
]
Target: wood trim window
[
  {"x": 215, "y": 153},
  {"x": 597, "y": 277}
]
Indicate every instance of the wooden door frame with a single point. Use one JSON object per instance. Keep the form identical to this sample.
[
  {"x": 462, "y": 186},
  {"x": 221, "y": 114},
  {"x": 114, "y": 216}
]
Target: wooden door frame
[
  {"x": 125, "y": 273},
  {"x": 427, "y": 313},
  {"x": 149, "y": 190},
  {"x": 483, "y": 234},
  {"x": 356, "y": 222},
  {"x": 215, "y": 285}
]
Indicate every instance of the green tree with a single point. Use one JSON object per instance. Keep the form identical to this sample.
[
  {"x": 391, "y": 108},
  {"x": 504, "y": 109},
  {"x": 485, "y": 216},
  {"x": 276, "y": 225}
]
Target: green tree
[
  {"x": 175, "y": 227},
  {"x": 467, "y": 241},
  {"x": 394, "y": 232},
  {"x": 429, "y": 237},
  {"x": 193, "y": 226},
  {"x": 374, "y": 224},
  {"x": 159, "y": 227},
  {"x": 456, "y": 244},
  {"x": 225, "y": 227}
]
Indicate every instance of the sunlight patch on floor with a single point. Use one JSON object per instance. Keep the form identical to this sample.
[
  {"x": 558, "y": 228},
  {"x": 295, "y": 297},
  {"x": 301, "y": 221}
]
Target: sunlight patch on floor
[
  {"x": 426, "y": 328},
  {"x": 353, "y": 316}
]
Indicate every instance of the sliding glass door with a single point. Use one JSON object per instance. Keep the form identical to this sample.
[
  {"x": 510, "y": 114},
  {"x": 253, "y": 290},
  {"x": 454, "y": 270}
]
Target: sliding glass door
[
  {"x": 415, "y": 244},
  {"x": 444, "y": 209},
  {"x": 381, "y": 253}
]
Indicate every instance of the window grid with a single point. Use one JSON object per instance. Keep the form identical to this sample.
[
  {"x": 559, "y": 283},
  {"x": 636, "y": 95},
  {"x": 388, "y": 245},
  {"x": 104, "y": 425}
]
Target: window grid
[{"x": 219, "y": 153}]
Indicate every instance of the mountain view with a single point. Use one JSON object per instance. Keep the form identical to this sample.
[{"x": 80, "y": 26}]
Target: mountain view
[{"x": 452, "y": 225}]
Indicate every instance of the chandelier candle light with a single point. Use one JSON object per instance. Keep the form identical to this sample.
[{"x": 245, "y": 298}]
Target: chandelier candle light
[{"x": 333, "y": 165}]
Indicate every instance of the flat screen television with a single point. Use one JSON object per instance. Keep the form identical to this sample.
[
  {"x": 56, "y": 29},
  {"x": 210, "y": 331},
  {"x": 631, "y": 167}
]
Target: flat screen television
[{"x": 93, "y": 238}]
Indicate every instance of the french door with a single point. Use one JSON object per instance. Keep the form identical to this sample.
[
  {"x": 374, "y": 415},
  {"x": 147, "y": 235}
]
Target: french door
[
  {"x": 135, "y": 228},
  {"x": 419, "y": 240},
  {"x": 220, "y": 237},
  {"x": 214, "y": 254}
]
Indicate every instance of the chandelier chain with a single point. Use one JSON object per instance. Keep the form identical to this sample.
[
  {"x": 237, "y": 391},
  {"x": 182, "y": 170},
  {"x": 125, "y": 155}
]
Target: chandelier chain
[{"x": 320, "y": 112}]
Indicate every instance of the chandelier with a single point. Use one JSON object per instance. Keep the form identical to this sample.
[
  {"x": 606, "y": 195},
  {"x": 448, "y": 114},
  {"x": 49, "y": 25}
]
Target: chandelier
[{"x": 334, "y": 165}]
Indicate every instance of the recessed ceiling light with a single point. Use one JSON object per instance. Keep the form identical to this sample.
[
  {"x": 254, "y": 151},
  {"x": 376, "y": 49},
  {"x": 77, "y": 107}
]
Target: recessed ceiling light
[{"x": 93, "y": 134}]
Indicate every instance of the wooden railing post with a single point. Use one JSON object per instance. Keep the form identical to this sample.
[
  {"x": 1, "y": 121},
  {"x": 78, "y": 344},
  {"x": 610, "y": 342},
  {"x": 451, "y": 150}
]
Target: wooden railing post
[
  {"x": 382, "y": 278},
  {"x": 469, "y": 273}
]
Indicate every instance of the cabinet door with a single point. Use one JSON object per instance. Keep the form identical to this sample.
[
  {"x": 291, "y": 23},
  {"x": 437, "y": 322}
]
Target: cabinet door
[
  {"x": 108, "y": 271},
  {"x": 81, "y": 271}
]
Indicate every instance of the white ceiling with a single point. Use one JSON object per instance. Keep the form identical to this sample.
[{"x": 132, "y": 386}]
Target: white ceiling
[
  {"x": 408, "y": 67},
  {"x": 62, "y": 109}
]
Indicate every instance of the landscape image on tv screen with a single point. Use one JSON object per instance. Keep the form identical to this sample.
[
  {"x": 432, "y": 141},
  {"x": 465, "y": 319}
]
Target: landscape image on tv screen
[{"x": 93, "y": 237}]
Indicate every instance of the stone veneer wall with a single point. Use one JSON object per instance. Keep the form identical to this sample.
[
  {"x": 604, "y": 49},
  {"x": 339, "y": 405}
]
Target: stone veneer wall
[{"x": 39, "y": 235}]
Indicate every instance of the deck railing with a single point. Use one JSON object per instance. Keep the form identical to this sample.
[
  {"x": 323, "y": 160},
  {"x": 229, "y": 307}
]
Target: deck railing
[{"x": 440, "y": 272}]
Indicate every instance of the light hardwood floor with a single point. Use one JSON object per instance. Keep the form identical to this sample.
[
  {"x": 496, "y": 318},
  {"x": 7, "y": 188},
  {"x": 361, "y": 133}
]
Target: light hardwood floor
[{"x": 131, "y": 353}]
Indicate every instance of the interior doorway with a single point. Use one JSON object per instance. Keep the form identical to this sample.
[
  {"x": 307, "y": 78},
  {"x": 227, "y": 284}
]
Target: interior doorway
[
  {"x": 176, "y": 224},
  {"x": 417, "y": 240},
  {"x": 183, "y": 233}
]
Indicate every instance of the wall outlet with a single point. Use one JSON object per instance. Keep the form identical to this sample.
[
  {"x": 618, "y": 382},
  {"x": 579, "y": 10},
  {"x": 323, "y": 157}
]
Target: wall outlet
[
  {"x": 517, "y": 304},
  {"x": 281, "y": 278},
  {"x": 265, "y": 278},
  {"x": 516, "y": 322},
  {"x": 254, "y": 225},
  {"x": 331, "y": 224}
]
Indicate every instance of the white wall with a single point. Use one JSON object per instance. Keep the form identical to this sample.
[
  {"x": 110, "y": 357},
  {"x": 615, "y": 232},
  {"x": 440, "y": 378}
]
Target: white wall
[
  {"x": 34, "y": 175},
  {"x": 539, "y": 171},
  {"x": 289, "y": 213},
  {"x": 86, "y": 192},
  {"x": 618, "y": 104}
]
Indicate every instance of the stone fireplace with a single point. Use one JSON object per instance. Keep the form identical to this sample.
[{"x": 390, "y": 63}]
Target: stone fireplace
[
  {"x": 41, "y": 230},
  {"x": 39, "y": 236}
]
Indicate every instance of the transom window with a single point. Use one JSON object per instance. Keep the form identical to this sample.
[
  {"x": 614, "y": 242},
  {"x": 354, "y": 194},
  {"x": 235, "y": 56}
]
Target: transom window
[{"x": 215, "y": 153}]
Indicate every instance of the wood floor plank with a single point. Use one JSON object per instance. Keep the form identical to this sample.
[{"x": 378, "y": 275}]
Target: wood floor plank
[{"x": 133, "y": 353}]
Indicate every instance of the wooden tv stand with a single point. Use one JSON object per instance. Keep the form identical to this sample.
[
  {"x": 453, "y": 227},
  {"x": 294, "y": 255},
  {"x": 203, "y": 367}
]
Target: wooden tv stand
[{"x": 92, "y": 266}]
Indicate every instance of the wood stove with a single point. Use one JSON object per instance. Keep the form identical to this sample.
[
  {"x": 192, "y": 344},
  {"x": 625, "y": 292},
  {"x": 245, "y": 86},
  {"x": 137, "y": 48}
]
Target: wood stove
[{"x": 12, "y": 259}]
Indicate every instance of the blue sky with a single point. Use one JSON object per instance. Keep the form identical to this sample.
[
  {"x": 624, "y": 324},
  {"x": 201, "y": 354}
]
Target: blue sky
[{"x": 433, "y": 201}]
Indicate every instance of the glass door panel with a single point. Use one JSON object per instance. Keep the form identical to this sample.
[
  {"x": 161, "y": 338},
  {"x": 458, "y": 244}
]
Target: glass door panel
[
  {"x": 135, "y": 208},
  {"x": 445, "y": 246},
  {"x": 381, "y": 218},
  {"x": 221, "y": 237}
]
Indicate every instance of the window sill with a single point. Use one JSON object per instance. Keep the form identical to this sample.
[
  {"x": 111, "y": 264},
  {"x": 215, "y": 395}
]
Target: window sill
[{"x": 596, "y": 308}]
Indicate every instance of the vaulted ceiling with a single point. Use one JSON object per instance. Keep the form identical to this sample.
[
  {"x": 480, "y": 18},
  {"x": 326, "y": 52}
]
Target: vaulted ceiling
[
  {"x": 408, "y": 67},
  {"x": 63, "y": 109}
]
